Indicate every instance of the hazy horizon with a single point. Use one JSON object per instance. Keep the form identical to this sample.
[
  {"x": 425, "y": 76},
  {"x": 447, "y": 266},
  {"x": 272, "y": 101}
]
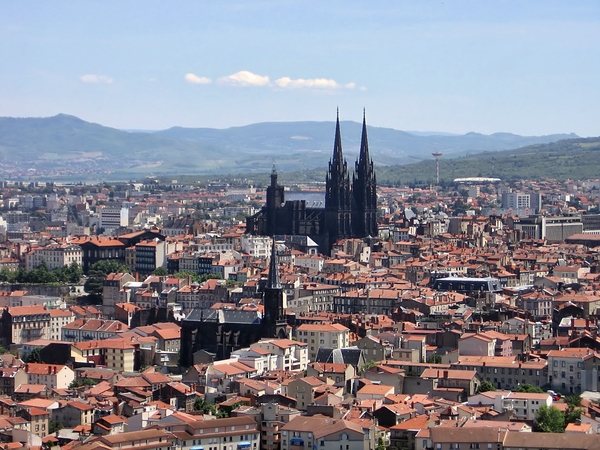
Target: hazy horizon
[{"x": 527, "y": 68}]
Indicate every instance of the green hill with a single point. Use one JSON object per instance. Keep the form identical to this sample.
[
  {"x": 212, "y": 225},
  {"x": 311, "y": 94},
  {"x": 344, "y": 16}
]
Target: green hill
[{"x": 572, "y": 158}]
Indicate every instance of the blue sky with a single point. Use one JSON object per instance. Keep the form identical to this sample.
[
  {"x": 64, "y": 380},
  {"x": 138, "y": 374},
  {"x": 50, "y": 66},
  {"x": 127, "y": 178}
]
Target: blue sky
[{"x": 527, "y": 67}]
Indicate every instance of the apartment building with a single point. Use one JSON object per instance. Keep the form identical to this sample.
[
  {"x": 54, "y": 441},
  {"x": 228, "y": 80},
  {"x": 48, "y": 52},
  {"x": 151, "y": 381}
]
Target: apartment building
[
  {"x": 53, "y": 256},
  {"x": 111, "y": 291},
  {"x": 90, "y": 329},
  {"x": 59, "y": 318},
  {"x": 288, "y": 355},
  {"x": 233, "y": 433},
  {"x": 505, "y": 372},
  {"x": 573, "y": 370},
  {"x": 323, "y": 336},
  {"x": 53, "y": 376},
  {"x": 323, "y": 433},
  {"x": 21, "y": 324}
]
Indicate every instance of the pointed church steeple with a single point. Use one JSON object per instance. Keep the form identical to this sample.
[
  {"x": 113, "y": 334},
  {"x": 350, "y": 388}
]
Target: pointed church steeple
[
  {"x": 364, "y": 189},
  {"x": 274, "y": 281},
  {"x": 338, "y": 193},
  {"x": 364, "y": 160},
  {"x": 337, "y": 162},
  {"x": 274, "y": 324}
]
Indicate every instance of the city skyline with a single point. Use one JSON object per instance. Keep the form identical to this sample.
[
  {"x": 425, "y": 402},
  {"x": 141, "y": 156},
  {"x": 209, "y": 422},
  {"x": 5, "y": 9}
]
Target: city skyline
[{"x": 525, "y": 68}]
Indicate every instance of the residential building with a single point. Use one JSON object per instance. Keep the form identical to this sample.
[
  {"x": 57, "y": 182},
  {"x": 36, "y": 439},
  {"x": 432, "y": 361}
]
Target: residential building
[
  {"x": 54, "y": 376},
  {"x": 573, "y": 370},
  {"x": 59, "y": 318},
  {"x": 21, "y": 324},
  {"x": 239, "y": 433},
  {"x": 53, "y": 256},
  {"x": 111, "y": 291},
  {"x": 307, "y": 433},
  {"x": 91, "y": 329},
  {"x": 288, "y": 355},
  {"x": 316, "y": 336}
]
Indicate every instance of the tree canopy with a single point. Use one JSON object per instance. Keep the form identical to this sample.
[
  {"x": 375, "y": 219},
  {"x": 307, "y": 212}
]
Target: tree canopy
[
  {"x": 573, "y": 411},
  {"x": 42, "y": 275},
  {"x": 98, "y": 272},
  {"x": 485, "y": 386},
  {"x": 160, "y": 271},
  {"x": 529, "y": 389},
  {"x": 549, "y": 419}
]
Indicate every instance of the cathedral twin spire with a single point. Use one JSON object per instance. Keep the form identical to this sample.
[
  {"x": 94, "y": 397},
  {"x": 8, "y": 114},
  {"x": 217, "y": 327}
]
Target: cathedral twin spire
[{"x": 352, "y": 209}]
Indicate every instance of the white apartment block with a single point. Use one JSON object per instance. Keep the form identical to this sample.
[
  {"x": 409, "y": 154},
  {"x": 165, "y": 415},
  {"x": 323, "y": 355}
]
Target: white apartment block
[
  {"x": 59, "y": 318},
  {"x": 525, "y": 405},
  {"x": 516, "y": 200},
  {"x": 256, "y": 246},
  {"x": 311, "y": 262},
  {"x": 317, "y": 336},
  {"x": 286, "y": 354},
  {"x": 54, "y": 256},
  {"x": 113, "y": 217}
]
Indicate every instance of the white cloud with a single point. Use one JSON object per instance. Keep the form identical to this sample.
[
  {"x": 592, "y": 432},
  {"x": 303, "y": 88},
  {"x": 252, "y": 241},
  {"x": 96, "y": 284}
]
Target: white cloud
[
  {"x": 91, "y": 78},
  {"x": 311, "y": 83},
  {"x": 195, "y": 79},
  {"x": 245, "y": 78}
]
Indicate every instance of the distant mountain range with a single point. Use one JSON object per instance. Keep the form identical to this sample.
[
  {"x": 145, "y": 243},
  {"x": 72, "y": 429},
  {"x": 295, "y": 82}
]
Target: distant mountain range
[{"x": 66, "y": 146}]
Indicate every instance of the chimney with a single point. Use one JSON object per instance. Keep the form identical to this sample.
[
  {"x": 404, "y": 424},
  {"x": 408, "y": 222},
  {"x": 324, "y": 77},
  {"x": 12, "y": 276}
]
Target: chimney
[
  {"x": 587, "y": 324},
  {"x": 446, "y": 374}
]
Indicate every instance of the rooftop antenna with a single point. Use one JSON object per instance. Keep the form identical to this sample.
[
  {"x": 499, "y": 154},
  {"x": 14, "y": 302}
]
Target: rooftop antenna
[{"x": 437, "y": 156}]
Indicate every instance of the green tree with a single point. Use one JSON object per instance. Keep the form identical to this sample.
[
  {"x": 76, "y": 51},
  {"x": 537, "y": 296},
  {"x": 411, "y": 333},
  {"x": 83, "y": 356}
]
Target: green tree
[
  {"x": 81, "y": 383},
  {"x": 366, "y": 366},
  {"x": 549, "y": 420},
  {"x": 573, "y": 411},
  {"x": 107, "y": 266},
  {"x": 54, "y": 426},
  {"x": 98, "y": 271},
  {"x": 380, "y": 443},
  {"x": 225, "y": 411},
  {"x": 160, "y": 271},
  {"x": 435, "y": 359},
  {"x": 74, "y": 272},
  {"x": 34, "y": 356},
  {"x": 528, "y": 388},
  {"x": 201, "y": 405},
  {"x": 485, "y": 386}
]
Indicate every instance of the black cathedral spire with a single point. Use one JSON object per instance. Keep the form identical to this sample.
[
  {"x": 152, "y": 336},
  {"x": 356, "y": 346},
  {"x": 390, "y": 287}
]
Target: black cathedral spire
[
  {"x": 338, "y": 193},
  {"x": 274, "y": 282},
  {"x": 274, "y": 324},
  {"x": 364, "y": 189}
]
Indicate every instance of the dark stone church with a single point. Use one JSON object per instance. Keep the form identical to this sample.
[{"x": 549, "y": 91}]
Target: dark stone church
[
  {"x": 221, "y": 331},
  {"x": 350, "y": 209}
]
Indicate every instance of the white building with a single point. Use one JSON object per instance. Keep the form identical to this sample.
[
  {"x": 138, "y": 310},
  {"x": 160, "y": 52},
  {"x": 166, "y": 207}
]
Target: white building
[
  {"x": 256, "y": 246},
  {"x": 59, "y": 318},
  {"x": 113, "y": 217},
  {"x": 323, "y": 336},
  {"x": 524, "y": 405},
  {"x": 324, "y": 433},
  {"x": 54, "y": 376},
  {"x": 54, "y": 256},
  {"x": 287, "y": 355}
]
